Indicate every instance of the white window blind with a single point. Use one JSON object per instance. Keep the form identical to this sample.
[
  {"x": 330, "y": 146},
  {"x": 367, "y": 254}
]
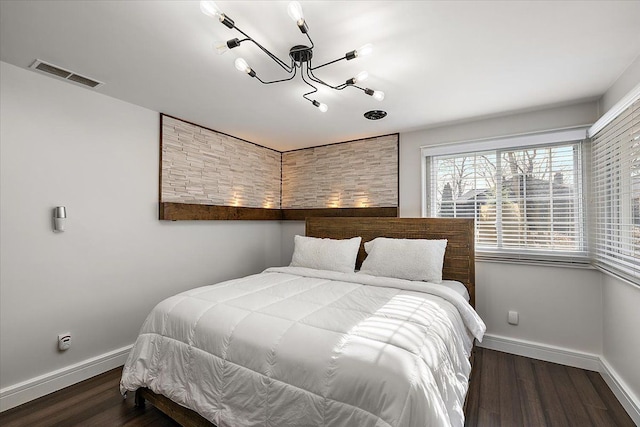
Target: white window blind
[
  {"x": 526, "y": 201},
  {"x": 615, "y": 158}
]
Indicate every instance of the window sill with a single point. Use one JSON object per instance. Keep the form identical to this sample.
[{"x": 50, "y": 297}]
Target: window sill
[
  {"x": 565, "y": 261},
  {"x": 623, "y": 277}
]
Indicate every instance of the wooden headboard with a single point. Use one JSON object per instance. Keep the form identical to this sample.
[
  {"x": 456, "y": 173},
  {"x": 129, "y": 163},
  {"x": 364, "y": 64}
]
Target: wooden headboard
[{"x": 459, "y": 258}]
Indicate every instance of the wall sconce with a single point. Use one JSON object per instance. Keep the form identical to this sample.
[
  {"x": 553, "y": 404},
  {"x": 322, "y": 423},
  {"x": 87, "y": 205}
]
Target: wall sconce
[{"x": 59, "y": 215}]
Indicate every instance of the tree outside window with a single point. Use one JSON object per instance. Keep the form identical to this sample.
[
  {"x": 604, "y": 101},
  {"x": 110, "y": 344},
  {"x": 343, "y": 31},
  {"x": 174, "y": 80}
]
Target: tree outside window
[{"x": 520, "y": 199}]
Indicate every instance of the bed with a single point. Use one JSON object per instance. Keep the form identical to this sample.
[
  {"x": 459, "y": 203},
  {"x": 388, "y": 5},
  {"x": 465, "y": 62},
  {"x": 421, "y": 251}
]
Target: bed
[{"x": 297, "y": 346}]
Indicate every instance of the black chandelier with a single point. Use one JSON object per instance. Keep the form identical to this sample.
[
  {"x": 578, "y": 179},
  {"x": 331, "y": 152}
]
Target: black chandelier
[{"x": 300, "y": 55}]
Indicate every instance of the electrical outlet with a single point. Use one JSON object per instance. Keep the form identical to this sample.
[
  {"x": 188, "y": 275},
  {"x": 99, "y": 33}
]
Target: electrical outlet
[
  {"x": 64, "y": 341},
  {"x": 513, "y": 318}
]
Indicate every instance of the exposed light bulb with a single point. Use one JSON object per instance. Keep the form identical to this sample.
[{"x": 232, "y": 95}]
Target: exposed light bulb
[
  {"x": 295, "y": 12},
  {"x": 364, "y": 50},
  {"x": 210, "y": 8},
  {"x": 378, "y": 95},
  {"x": 361, "y": 76},
  {"x": 241, "y": 65},
  {"x": 220, "y": 46},
  {"x": 322, "y": 107}
]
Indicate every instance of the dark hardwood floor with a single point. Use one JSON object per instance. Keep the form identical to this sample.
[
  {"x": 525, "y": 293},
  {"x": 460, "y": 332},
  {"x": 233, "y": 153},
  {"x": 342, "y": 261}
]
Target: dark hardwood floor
[
  {"x": 505, "y": 390},
  {"x": 508, "y": 390}
]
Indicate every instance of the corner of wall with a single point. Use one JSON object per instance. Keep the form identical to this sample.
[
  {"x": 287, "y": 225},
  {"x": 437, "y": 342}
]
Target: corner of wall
[
  {"x": 629, "y": 78},
  {"x": 621, "y": 390}
]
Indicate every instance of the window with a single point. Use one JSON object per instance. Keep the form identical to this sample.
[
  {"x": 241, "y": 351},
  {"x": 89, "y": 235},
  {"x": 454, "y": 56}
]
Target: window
[
  {"x": 526, "y": 201},
  {"x": 615, "y": 154}
]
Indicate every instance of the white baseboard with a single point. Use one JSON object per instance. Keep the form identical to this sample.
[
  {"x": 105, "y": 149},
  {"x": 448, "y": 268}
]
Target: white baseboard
[
  {"x": 34, "y": 388},
  {"x": 630, "y": 402},
  {"x": 548, "y": 353},
  {"x": 577, "y": 359}
]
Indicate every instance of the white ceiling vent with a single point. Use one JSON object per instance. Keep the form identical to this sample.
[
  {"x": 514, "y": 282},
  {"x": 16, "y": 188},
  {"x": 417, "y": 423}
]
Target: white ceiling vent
[{"x": 56, "y": 71}]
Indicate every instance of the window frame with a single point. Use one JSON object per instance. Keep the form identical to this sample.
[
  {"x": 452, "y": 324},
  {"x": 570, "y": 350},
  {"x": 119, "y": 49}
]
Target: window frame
[
  {"x": 613, "y": 247},
  {"x": 523, "y": 141}
]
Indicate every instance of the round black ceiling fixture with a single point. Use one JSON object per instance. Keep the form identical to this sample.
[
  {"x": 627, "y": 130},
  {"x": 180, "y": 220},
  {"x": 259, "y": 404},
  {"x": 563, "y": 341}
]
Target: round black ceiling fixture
[
  {"x": 300, "y": 53},
  {"x": 375, "y": 114}
]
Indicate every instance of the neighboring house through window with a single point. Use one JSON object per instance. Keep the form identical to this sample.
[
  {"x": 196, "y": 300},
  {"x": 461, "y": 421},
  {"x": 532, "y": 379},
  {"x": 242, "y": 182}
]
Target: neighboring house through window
[{"x": 527, "y": 200}]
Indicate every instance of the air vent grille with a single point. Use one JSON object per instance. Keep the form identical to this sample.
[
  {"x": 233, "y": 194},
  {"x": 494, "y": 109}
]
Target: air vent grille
[
  {"x": 54, "y": 70},
  {"x": 83, "y": 80}
]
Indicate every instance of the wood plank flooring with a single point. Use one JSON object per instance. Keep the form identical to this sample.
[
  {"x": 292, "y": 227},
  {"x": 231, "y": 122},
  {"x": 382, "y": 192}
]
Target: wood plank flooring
[
  {"x": 508, "y": 390},
  {"x": 505, "y": 391}
]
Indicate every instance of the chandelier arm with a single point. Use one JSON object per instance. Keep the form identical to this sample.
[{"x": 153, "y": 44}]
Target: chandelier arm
[
  {"x": 277, "y": 81},
  {"x": 315, "y": 89},
  {"x": 309, "y": 93},
  {"x": 287, "y": 68},
  {"x": 328, "y": 63},
  {"x": 281, "y": 63},
  {"x": 310, "y": 41},
  {"x": 317, "y": 80},
  {"x": 312, "y": 77}
]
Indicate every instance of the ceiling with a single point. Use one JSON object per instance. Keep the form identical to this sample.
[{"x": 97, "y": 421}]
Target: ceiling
[{"x": 437, "y": 62}]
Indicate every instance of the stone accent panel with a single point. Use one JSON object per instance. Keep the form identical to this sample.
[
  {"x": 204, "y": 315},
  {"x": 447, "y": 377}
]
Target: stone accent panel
[
  {"x": 362, "y": 173},
  {"x": 206, "y": 167}
]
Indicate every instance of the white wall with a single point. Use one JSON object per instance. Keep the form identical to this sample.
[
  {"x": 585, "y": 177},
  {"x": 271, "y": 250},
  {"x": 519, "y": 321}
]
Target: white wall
[
  {"x": 558, "y": 306},
  {"x": 623, "y": 85},
  {"x": 290, "y": 229},
  {"x": 621, "y": 345},
  {"x": 65, "y": 145}
]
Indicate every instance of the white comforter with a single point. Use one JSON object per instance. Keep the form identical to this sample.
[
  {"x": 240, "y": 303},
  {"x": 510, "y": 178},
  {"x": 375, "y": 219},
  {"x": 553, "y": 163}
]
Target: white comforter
[{"x": 301, "y": 347}]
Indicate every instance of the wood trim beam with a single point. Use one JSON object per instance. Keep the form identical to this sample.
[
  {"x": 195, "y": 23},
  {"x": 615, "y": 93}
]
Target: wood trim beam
[
  {"x": 302, "y": 214},
  {"x": 196, "y": 212}
]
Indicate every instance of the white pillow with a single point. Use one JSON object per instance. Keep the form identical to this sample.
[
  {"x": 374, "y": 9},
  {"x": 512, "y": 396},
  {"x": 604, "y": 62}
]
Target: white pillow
[
  {"x": 325, "y": 254},
  {"x": 410, "y": 259}
]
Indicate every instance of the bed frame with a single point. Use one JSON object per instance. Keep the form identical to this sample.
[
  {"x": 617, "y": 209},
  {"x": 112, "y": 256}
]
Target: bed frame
[
  {"x": 459, "y": 264},
  {"x": 459, "y": 258}
]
